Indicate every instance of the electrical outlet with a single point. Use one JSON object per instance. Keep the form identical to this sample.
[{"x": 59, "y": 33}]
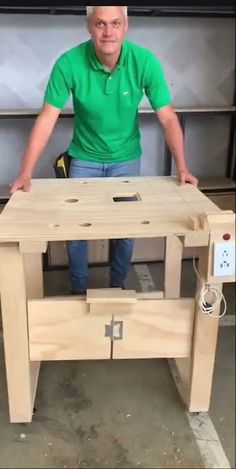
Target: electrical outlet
[{"x": 224, "y": 259}]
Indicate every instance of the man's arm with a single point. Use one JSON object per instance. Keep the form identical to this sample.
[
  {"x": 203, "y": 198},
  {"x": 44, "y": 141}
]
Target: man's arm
[
  {"x": 38, "y": 139},
  {"x": 175, "y": 141}
]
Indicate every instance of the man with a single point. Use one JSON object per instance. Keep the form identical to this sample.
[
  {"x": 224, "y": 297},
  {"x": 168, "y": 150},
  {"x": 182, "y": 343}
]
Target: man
[{"x": 106, "y": 77}]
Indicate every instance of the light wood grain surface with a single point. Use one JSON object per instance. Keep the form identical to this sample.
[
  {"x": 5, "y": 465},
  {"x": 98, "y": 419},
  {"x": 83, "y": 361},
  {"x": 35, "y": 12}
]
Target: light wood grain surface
[
  {"x": 62, "y": 209},
  {"x": 63, "y": 328}
]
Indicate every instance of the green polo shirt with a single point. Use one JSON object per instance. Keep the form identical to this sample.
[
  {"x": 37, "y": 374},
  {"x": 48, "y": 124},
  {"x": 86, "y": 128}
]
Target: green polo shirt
[{"x": 106, "y": 125}]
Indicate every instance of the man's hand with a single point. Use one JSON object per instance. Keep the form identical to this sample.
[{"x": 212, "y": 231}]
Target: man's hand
[
  {"x": 185, "y": 176},
  {"x": 22, "y": 182}
]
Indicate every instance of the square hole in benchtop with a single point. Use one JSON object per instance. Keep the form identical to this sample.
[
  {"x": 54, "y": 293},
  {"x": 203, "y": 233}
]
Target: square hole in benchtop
[{"x": 126, "y": 197}]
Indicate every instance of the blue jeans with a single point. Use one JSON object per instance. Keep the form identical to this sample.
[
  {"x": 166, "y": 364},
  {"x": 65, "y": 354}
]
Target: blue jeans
[{"x": 122, "y": 249}]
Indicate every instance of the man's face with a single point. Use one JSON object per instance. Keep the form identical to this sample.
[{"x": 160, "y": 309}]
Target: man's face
[{"x": 107, "y": 26}]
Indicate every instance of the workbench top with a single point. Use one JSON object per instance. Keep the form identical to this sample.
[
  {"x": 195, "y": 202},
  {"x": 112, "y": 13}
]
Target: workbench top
[{"x": 66, "y": 209}]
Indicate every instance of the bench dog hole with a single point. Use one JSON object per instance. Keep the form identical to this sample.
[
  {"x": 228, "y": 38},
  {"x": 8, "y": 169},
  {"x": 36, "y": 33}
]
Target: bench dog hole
[
  {"x": 145, "y": 222},
  {"x": 85, "y": 224}
]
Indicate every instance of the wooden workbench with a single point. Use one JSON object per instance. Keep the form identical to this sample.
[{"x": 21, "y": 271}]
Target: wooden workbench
[{"x": 107, "y": 323}]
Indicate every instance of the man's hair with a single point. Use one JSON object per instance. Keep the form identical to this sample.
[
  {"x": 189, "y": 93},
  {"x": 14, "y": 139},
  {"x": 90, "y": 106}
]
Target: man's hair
[{"x": 90, "y": 10}]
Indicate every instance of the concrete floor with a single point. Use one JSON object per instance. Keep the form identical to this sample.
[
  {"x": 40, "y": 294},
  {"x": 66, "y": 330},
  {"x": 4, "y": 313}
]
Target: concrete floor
[{"x": 121, "y": 413}]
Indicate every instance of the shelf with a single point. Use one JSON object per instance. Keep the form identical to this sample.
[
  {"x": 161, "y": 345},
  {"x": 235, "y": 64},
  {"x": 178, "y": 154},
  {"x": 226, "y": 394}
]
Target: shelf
[
  {"x": 167, "y": 8},
  {"x": 25, "y": 113},
  {"x": 4, "y": 193},
  {"x": 217, "y": 185}
]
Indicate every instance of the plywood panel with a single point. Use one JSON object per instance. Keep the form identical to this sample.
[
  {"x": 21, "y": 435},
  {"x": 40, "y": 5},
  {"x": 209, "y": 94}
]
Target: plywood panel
[
  {"x": 62, "y": 329},
  {"x": 111, "y": 296},
  {"x": 160, "y": 328},
  {"x": 61, "y": 209}
]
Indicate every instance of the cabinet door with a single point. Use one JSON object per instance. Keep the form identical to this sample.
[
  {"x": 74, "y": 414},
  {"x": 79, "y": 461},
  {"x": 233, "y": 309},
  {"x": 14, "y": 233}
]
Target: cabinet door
[
  {"x": 156, "y": 328},
  {"x": 63, "y": 329},
  {"x": 147, "y": 328}
]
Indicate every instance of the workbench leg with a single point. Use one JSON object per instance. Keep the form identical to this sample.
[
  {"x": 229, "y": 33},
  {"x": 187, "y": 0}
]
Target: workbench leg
[
  {"x": 21, "y": 374},
  {"x": 180, "y": 367},
  {"x": 193, "y": 375},
  {"x": 173, "y": 266},
  {"x": 203, "y": 353}
]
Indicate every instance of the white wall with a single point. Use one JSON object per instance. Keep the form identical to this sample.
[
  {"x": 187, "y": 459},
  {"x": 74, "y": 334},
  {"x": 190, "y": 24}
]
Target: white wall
[{"x": 198, "y": 58}]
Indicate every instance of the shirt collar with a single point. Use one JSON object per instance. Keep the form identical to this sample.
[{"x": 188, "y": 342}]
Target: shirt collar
[{"x": 95, "y": 62}]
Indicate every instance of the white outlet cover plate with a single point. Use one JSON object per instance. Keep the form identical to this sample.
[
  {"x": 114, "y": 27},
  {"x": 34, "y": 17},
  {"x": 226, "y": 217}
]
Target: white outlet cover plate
[{"x": 224, "y": 259}]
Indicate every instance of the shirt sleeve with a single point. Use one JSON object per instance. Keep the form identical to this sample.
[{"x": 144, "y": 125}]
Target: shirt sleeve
[
  {"x": 155, "y": 85},
  {"x": 59, "y": 85}
]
